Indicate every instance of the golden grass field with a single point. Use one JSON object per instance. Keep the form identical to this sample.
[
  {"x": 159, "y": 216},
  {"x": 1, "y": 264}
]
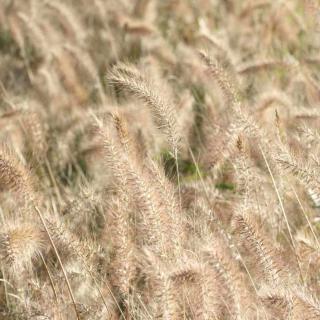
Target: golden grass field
[{"x": 159, "y": 159}]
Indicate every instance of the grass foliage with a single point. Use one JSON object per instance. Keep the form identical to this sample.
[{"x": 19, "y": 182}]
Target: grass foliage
[{"x": 159, "y": 159}]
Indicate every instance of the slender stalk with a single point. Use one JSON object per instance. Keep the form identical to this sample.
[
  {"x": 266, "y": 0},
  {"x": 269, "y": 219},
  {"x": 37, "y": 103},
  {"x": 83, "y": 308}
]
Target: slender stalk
[
  {"x": 178, "y": 177},
  {"x": 53, "y": 180},
  {"x": 282, "y": 210},
  {"x": 51, "y": 282},
  {"x": 60, "y": 262}
]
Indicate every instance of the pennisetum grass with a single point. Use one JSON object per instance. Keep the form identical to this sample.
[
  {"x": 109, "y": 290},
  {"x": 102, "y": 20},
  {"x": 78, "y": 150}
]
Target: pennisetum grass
[{"x": 185, "y": 188}]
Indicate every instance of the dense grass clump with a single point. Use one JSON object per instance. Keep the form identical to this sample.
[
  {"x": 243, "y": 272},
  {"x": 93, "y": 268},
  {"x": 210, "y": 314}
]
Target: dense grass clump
[{"x": 159, "y": 159}]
